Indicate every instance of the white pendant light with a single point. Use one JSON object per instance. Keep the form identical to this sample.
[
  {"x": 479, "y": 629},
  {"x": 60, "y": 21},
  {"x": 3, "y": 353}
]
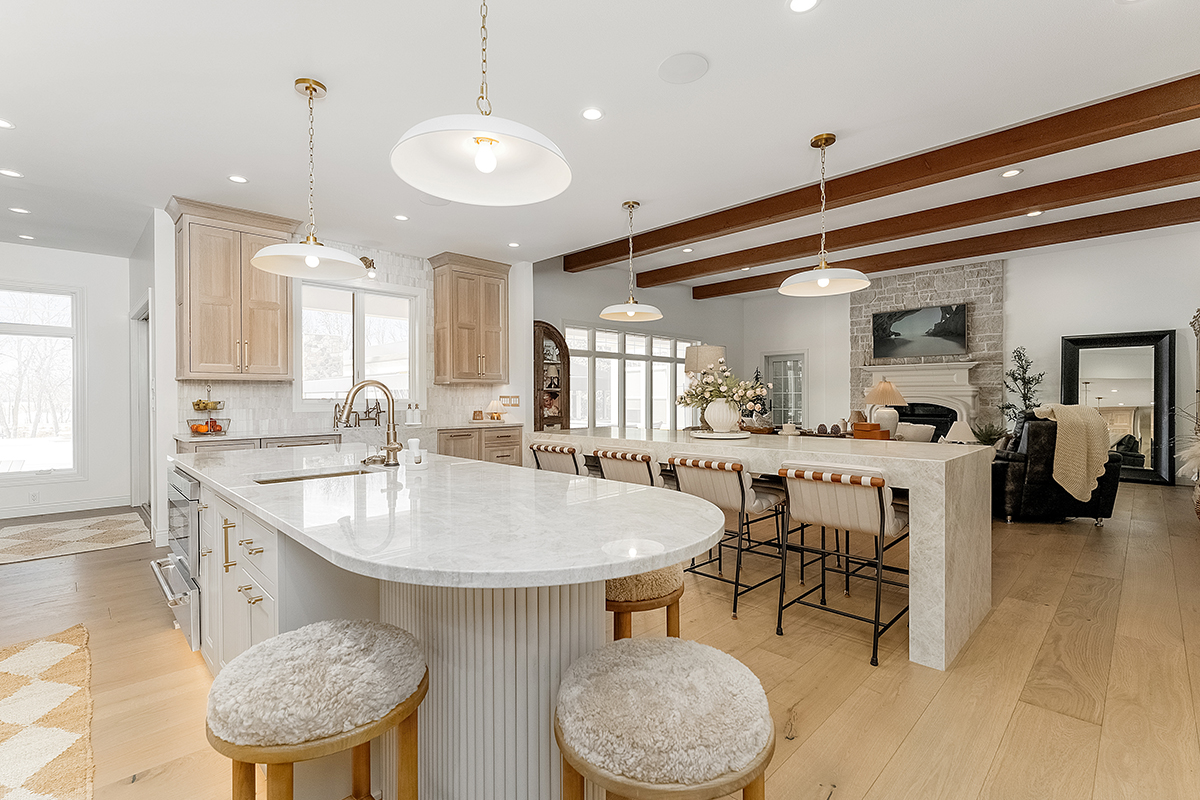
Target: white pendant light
[
  {"x": 481, "y": 160},
  {"x": 631, "y": 310},
  {"x": 824, "y": 280},
  {"x": 310, "y": 258}
]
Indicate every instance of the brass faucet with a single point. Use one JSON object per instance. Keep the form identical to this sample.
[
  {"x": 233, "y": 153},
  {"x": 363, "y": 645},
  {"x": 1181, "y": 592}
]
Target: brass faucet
[{"x": 393, "y": 446}]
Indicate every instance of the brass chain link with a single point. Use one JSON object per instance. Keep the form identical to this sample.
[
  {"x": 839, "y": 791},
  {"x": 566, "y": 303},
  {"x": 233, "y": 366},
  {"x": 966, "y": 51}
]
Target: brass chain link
[
  {"x": 631, "y": 207},
  {"x": 822, "y": 254},
  {"x": 312, "y": 216},
  {"x": 483, "y": 103}
]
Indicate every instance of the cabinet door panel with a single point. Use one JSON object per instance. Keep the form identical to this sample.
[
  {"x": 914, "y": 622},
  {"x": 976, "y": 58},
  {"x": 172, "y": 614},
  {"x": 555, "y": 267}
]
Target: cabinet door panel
[
  {"x": 215, "y": 282},
  {"x": 210, "y": 586},
  {"x": 503, "y": 454},
  {"x": 493, "y": 313},
  {"x": 266, "y": 311},
  {"x": 464, "y": 334},
  {"x": 461, "y": 444},
  {"x": 259, "y": 613}
]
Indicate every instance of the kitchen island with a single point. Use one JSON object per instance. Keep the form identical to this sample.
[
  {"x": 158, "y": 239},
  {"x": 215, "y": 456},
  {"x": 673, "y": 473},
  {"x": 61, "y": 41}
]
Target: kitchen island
[
  {"x": 950, "y": 542},
  {"x": 498, "y": 570}
]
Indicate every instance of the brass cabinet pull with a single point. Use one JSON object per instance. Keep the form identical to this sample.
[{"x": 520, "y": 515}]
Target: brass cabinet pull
[
  {"x": 246, "y": 352},
  {"x": 483, "y": 369},
  {"x": 250, "y": 551},
  {"x": 237, "y": 354},
  {"x": 250, "y": 599},
  {"x": 226, "y": 527},
  {"x": 459, "y": 435},
  {"x": 205, "y": 551}
]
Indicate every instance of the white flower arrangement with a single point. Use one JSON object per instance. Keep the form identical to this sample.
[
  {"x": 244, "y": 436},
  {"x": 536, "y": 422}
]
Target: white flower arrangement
[{"x": 717, "y": 382}]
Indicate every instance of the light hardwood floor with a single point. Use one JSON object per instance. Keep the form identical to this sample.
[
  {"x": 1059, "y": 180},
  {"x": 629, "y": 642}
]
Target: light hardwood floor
[{"x": 1083, "y": 682}]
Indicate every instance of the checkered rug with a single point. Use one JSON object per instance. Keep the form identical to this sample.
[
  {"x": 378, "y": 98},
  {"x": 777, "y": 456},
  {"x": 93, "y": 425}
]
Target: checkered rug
[
  {"x": 45, "y": 718},
  {"x": 45, "y": 539}
]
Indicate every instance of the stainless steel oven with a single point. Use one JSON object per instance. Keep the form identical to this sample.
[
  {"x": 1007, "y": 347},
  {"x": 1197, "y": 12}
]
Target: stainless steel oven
[{"x": 178, "y": 574}]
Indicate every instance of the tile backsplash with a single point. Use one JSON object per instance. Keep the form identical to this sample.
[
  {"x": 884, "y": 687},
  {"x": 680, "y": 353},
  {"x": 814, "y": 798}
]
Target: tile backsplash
[{"x": 266, "y": 407}]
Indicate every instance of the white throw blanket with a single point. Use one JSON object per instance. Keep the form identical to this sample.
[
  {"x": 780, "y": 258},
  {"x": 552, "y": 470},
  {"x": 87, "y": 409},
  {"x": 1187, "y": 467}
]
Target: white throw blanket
[{"x": 1081, "y": 450}]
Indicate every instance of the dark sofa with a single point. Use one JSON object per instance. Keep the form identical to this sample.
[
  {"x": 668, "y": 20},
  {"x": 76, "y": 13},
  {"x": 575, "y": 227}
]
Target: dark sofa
[
  {"x": 1023, "y": 485},
  {"x": 1127, "y": 448}
]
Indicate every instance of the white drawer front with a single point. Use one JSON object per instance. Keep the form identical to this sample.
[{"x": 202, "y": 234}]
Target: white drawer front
[{"x": 258, "y": 548}]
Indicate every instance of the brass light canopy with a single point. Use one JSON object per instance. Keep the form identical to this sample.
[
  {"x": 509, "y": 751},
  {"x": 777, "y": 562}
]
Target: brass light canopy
[{"x": 824, "y": 280}]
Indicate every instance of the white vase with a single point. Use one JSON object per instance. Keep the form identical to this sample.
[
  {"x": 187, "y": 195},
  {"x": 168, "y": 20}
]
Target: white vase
[
  {"x": 888, "y": 418},
  {"x": 722, "y": 416}
]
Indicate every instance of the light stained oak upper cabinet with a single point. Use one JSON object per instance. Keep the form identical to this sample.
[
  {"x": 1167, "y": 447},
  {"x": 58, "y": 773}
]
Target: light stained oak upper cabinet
[
  {"x": 470, "y": 319},
  {"x": 233, "y": 322}
]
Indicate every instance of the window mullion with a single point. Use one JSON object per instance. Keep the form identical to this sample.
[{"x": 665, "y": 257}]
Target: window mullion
[{"x": 359, "y": 371}]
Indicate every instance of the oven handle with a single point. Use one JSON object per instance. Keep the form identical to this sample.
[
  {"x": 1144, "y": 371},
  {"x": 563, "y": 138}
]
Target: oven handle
[{"x": 156, "y": 566}]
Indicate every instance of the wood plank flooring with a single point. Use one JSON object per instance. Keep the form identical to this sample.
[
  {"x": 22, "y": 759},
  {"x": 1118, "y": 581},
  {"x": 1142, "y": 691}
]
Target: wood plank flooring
[{"x": 1082, "y": 683}]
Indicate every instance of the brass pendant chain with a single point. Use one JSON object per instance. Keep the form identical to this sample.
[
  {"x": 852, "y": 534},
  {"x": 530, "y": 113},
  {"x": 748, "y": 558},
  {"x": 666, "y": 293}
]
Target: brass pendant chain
[
  {"x": 482, "y": 102},
  {"x": 312, "y": 216},
  {"x": 822, "y": 254},
  {"x": 631, "y": 207}
]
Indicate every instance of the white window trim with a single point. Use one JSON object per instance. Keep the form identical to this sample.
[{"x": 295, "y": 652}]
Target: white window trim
[
  {"x": 416, "y": 343},
  {"x": 621, "y": 356},
  {"x": 78, "y": 349}
]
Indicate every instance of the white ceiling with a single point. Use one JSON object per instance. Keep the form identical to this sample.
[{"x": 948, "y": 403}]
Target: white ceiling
[{"x": 120, "y": 105}]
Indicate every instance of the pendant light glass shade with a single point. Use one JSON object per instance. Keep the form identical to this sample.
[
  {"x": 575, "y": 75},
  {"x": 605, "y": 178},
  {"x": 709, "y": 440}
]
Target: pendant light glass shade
[
  {"x": 631, "y": 310},
  {"x": 304, "y": 260},
  {"x": 446, "y": 157}
]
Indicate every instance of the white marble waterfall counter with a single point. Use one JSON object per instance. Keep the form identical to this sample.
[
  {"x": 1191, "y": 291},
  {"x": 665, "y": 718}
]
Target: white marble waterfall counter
[
  {"x": 498, "y": 570},
  {"x": 950, "y": 544}
]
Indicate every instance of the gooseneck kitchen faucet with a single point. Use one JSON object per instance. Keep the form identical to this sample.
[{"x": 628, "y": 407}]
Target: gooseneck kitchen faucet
[{"x": 393, "y": 446}]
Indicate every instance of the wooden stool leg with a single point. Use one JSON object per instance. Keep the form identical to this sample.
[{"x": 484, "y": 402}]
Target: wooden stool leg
[
  {"x": 406, "y": 736},
  {"x": 622, "y": 625},
  {"x": 673, "y": 619},
  {"x": 243, "y": 781},
  {"x": 756, "y": 789},
  {"x": 572, "y": 783},
  {"x": 279, "y": 781},
  {"x": 361, "y": 780}
]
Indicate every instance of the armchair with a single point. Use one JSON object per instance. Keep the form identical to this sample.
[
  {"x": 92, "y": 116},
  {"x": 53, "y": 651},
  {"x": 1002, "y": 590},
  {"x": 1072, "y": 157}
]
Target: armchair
[{"x": 1023, "y": 485}]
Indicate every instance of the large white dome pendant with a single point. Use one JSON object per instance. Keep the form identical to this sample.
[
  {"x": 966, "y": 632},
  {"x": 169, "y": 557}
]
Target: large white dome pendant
[
  {"x": 310, "y": 258},
  {"x": 631, "y": 310},
  {"x": 439, "y": 157}
]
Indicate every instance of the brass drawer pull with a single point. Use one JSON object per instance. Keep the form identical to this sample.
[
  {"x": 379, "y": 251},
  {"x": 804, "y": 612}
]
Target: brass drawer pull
[
  {"x": 250, "y": 551},
  {"x": 250, "y": 599},
  {"x": 460, "y": 435},
  {"x": 204, "y": 551},
  {"x": 226, "y": 527}
]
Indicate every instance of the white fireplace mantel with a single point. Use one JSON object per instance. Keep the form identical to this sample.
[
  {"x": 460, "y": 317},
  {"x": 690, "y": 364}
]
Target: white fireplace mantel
[{"x": 946, "y": 384}]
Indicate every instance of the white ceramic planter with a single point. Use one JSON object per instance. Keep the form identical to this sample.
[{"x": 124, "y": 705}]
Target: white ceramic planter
[{"x": 722, "y": 416}]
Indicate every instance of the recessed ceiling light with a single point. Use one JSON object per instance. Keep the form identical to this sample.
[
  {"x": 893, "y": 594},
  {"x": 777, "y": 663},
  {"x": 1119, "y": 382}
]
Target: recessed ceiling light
[
  {"x": 1114, "y": 391},
  {"x": 238, "y": 179},
  {"x": 11, "y": 173},
  {"x": 687, "y": 249},
  {"x": 25, "y": 236},
  {"x": 514, "y": 244},
  {"x": 401, "y": 217},
  {"x": 1034, "y": 214},
  {"x": 1012, "y": 173},
  {"x": 1120, "y": 404},
  {"x": 6, "y": 124},
  {"x": 592, "y": 113},
  {"x": 19, "y": 210},
  {"x": 745, "y": 268},
  {"x": 800, "y": 6}
]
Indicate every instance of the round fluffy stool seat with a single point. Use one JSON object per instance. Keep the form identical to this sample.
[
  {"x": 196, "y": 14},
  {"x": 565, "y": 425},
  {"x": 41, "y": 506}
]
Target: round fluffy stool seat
[
  {"x": 662, "y": 718},
  {"x": 658, "y": 588},
  {"x": 314, "y": 691}
]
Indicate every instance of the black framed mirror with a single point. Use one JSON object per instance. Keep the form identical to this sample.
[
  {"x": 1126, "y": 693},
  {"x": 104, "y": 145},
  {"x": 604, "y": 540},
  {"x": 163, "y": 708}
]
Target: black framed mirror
[{"x": 1130, "y": 379}]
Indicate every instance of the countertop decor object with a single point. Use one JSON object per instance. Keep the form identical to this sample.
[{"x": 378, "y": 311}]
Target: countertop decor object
[
  {"x": 699, "y": 356},
  {"x": 961, "y": 433},
  {"x": 631, "y": 310},
  {"x": 885, "y": 394},
  {"x": 481, "y": 160},
  {"x": 720, "y": 434},
  {"x": 824, "y": 280},
  {"x": 713, "y": 384},
  {"x": 495, "y": 411},
  {"x": 310, "y": 258}
]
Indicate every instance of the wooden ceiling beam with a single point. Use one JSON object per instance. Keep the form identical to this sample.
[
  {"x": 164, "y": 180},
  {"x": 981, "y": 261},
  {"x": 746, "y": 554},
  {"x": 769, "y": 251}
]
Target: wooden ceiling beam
[
  {"x": 1157, "y": 174},
  {"x": 1167, "y": 104},
  {"x": 1179, "y": 212}
]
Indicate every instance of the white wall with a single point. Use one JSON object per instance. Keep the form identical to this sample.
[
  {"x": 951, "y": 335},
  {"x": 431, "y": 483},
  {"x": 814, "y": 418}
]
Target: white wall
[
  {"x": 818, "y": 327},
  {"x": 1117, "y": 285},
  {"x": 105, "y": 338},
  {"x": 562, "y": 297},
  {"x": 520, "y": 342}
]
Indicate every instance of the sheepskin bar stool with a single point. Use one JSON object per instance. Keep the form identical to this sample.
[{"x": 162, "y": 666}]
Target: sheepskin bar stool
[
  {"x": 315, "y": 691},
  {"x": 658, "y": 588},
  {"x": 663, "y": 719}
]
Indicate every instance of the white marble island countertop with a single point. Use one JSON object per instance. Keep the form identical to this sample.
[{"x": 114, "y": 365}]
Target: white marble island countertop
[{"x": 461, "y": 523}]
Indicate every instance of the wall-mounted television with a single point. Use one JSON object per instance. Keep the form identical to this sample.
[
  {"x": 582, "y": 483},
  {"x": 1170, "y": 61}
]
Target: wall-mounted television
[{"x": 916, "y": 332}]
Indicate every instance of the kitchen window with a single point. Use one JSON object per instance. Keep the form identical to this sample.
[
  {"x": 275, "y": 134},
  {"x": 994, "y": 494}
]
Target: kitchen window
[
  {"x": 41, "y": 369},
  {"x": 627, "y": 380},
  {"x": 350, "y": 334}
]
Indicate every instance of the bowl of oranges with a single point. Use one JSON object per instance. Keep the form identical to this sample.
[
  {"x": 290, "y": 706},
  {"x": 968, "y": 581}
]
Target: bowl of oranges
[{"x": 208, "y": 427}]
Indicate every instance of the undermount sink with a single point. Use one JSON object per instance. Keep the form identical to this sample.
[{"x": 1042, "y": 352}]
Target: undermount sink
[{"x": 311, "y": 475}]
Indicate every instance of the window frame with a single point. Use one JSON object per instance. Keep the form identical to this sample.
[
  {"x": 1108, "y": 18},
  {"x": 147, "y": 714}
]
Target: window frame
[
  {"x": 362, "y": 286},
  {"x": 795, "y": 355},
  {"x": 621, "y": 357},
  {"x": 78, "y": 471}
]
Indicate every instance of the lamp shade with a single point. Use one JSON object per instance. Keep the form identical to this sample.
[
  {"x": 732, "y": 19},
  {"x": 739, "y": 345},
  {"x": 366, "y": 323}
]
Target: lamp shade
[
  {"x": 304, "y": 260},
  {"x": 631, "y": 312},
  {"x": 961, "y": 432},
  {"x": 495, "y": 407},
  {"x": 885, "y": 393},
  {"x": 699, "y": 356},
  {"x": 439, "y": 157},
  {"x": 824, "y": 282}
]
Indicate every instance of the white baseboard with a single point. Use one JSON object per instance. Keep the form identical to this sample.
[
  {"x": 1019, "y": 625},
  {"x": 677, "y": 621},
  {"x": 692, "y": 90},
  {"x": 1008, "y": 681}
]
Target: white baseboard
[
  {"x": 69, "y": 505},
  {"x": 160, "y": 538}
]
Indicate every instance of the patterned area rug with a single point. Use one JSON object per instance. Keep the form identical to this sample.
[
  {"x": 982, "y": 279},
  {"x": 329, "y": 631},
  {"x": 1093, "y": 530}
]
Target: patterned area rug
[
  {"x": 45, "y": 719},
  {"x": 45, "y": 539}
]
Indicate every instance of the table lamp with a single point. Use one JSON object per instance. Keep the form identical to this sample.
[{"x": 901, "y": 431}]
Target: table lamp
[
  {"x": 961, "y": 433},
  {"x": 699, "y": 356},
  {"x": 496, "y": 411},
  {"x": 884, "y": 394}
]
